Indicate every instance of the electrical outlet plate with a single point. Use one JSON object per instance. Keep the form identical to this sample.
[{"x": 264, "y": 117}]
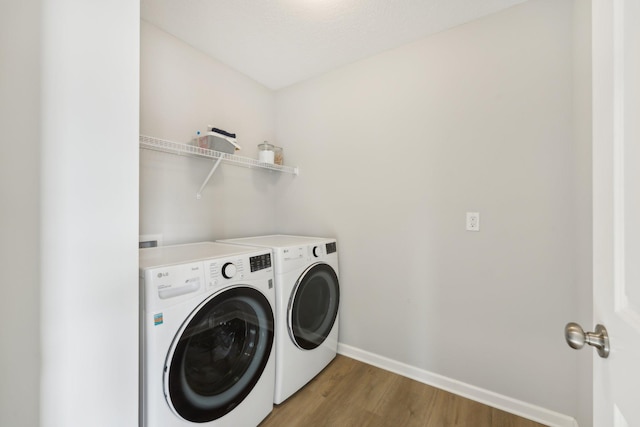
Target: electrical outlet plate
[
  {"x": 473, "y": 221},
  {"x": 149, "y": 240}
]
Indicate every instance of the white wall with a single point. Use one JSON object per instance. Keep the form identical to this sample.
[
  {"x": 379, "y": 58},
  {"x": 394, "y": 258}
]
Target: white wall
[
  {"x": 89, "y": 213},
  {"x": 19, "y": 215},
  {"x": 582, "y": 193},
  {"x": 183, "y": 90},
  {"x": 396, "y": 148}
]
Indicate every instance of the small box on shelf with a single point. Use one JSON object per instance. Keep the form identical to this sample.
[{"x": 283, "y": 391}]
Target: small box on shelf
[{"x": 212, "y": 141}]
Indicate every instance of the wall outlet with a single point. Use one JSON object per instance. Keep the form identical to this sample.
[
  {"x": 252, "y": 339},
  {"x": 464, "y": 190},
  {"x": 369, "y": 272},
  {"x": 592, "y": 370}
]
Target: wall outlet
[
  {"x": 149, "y": 241},
  {"x": 473, "y": 221}
]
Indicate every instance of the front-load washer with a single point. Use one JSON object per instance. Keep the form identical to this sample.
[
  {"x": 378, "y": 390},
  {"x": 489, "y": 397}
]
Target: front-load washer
[
  {"x": 207, "y": 335},
  {"x": 307, "y": 302}
]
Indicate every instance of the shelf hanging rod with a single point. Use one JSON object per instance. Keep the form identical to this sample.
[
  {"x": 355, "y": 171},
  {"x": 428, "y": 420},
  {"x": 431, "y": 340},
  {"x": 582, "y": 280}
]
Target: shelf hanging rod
[{"x": 206, "y": 180}]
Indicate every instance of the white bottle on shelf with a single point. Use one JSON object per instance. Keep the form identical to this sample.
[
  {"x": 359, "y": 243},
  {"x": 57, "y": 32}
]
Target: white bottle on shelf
[{"x": 266, "y": 153}]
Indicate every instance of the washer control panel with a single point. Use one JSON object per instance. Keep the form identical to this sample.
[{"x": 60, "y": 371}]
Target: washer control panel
[
  {"x": 229, "y": 270},
  {"x": 221, "y": 271},
  {"x": 260, "y": 262}
]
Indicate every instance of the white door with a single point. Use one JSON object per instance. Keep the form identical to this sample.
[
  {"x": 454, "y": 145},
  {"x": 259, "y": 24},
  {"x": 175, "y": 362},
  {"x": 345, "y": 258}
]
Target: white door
[{"x": 616, "y": 209}]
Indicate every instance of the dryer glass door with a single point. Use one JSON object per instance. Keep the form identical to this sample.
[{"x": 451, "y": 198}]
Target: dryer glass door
[
  {"x": 219, "y": 354},
  {"x": 313, "y": 306}
]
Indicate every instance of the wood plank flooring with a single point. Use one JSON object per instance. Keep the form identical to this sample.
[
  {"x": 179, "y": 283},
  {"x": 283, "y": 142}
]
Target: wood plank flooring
[{"x": 351, "y": 393}]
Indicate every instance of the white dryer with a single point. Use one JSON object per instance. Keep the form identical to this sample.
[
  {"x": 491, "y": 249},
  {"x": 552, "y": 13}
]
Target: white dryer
[
  {"x": 207, "y": 334},
  {"x": 307, "y": 303}
]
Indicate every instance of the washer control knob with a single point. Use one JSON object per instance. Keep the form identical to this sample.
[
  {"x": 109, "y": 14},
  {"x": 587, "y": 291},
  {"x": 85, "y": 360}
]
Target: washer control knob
[
  {"x": 229, "y": 270},
  {"x": 316, "y": 251}
]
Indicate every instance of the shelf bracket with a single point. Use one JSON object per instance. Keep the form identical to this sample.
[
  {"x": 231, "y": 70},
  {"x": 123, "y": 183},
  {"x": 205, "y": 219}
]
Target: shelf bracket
[{"x": 206, "y": 180}]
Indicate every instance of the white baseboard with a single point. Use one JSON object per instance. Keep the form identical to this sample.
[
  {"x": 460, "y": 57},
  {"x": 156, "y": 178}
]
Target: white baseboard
[{"x": 504, "y": 403}]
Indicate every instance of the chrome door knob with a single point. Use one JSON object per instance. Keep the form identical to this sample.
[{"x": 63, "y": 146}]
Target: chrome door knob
[{"x": 576, "y": 338}]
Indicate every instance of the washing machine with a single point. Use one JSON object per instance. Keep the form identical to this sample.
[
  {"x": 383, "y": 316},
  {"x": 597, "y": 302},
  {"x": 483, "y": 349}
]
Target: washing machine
[
  {"x": 207, "y": 335},
  {"x": 307, "y": 302}
]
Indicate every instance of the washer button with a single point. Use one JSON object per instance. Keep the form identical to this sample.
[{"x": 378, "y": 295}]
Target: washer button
[{"x": 229, "y": 270}]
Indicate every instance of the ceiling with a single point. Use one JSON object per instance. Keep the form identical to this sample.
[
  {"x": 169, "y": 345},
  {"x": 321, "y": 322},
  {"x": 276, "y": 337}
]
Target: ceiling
[{"x": 281, "y": 42}]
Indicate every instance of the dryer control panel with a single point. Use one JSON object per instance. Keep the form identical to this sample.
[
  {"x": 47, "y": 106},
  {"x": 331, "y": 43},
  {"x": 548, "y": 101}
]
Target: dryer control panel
[{"x": 294, "y": 252}]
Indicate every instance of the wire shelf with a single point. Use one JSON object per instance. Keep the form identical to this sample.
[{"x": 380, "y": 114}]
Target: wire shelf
[{"x": 191, "y": 150}]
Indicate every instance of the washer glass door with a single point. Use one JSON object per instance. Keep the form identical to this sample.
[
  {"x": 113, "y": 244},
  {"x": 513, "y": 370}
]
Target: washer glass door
[
  {"x": 219, "y": 354},
  {"x": 313, "y": 306}
]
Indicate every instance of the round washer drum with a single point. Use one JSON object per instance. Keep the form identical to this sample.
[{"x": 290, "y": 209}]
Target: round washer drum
[
  {"x": 219, "y": 354},
  {"x": 313, "y": 306}
]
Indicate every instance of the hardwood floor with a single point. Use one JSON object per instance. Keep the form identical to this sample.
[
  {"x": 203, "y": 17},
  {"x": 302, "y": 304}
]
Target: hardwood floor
[{"x": 352, "y": 393}]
